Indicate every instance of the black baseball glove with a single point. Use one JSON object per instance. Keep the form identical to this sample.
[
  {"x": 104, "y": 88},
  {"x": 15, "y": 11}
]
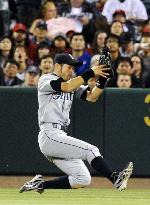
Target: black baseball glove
[{"x": 105, "y": 59}]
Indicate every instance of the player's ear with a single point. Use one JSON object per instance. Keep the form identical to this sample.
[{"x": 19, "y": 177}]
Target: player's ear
[{"x": 57, "y": 66}]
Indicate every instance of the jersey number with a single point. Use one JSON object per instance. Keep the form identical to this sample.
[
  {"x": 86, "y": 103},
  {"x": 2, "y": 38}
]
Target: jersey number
[{"x": 147, "y": 119}]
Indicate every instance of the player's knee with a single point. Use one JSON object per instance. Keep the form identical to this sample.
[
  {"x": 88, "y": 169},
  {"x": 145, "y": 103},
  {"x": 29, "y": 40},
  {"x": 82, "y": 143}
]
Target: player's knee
[
  {"x": 80, "y": 181},
  {"x": 92, "y": 153},
  {"x": 86, "y": 180}
]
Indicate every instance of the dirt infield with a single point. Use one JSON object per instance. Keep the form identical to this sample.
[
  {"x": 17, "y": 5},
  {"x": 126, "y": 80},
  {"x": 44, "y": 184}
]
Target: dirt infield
[{"x": 97, "y": 182}]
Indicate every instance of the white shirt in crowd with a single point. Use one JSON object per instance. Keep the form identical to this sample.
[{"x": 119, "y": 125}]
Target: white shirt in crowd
[
  {"x": 4, "y": 5},
  {"x": 133, "y": 9}
]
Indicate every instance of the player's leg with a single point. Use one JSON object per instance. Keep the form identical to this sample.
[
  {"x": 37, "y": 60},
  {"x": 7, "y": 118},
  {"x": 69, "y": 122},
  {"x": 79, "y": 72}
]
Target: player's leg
[
  {"x": 77, "y": 176},
  {"x": 56, "y": 143}
]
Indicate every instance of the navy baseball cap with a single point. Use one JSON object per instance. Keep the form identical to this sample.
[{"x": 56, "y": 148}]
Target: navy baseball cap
[
  {"x": 65, "y": 58},
  {"x": 32, "y": 69}
]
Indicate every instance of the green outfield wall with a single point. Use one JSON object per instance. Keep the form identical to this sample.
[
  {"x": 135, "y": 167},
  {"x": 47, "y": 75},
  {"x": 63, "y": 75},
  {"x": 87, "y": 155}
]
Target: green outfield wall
[{"x": 118, "y": 124}]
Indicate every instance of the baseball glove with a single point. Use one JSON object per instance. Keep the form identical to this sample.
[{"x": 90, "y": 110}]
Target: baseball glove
[{"x": 105, "y": 58}]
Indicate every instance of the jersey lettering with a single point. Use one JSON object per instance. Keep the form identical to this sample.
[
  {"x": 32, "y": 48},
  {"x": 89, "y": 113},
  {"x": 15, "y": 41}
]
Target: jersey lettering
[{"x": 64, "y": 96}]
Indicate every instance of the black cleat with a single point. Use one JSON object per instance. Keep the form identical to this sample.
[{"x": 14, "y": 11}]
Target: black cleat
[
  {"x": 123, "y": 177},
  {"x": 35, "y": 184}
]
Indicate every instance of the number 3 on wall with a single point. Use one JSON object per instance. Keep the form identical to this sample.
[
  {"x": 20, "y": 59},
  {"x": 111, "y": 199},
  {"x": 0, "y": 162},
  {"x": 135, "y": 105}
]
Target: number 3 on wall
[{"x": 147, "y": 119}]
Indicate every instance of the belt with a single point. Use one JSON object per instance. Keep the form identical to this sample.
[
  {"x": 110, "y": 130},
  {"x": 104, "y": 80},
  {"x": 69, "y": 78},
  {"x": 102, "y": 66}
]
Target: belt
[
  {"x": 60, "y": 127},
  {"x": 53, "y": 125}
]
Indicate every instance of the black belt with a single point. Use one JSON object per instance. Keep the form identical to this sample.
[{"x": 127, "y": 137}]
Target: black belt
[{"x": 60, "y": 127}]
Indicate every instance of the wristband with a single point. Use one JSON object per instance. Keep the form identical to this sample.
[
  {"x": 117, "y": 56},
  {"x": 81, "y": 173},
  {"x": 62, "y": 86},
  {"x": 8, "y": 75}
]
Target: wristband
[
  {"x": 101, "y": 82},
  {"x": 87, "y": 75}
]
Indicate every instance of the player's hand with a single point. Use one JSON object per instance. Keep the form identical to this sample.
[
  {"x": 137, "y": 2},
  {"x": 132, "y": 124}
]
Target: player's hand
[{"x": 101, "y": 70}]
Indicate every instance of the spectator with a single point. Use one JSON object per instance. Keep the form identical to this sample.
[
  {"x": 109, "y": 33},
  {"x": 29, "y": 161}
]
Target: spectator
[
  {"x": 60, "y": 44},
  {"x": 99, "y": 41},
  {"x": 100, "y": 23},
  {"x": 134, "y": 9},
  {"x": 4, "y": 17},
  {"x": 78, "y": 45},
  {"x": 126, "y": 45},
  {"x": 92, "y": 81},
  {"x": 128, "y": 26},
  {"x": 119, "y": 15},
  {"x": 125, "y": 66},
  {"x": 138, "y": 69},
  {"x": 20, "y": 55},
  {"x": 40, "y": 35},
  {"x": 144, "y": 46},
  {"x": 27, "y": 11},
  {"x": 83, "y": 14},
  {"x": 10, "y": 70},
  {"x": 99, "y": 5},
  {"x": 49, "y": 15},
  {"x": 144, "y": 51},
  {"x": 19, "y": 35},
  {"x": 124, "y": 81},
  {"x": 113, "y": 43},
  {"x": 43, "y": 49},
  {"x": 79, "y": 10},
  {"x": 31, "y": 77},
  {"x": 146, "y": 27},
  {"x": 46, "y": 64},
  {"x": 116, "y": 28},
  {"x": 5, "y": 50},
  {"x": 94, "y": 60},
  {"x": 48, "y": 11}
]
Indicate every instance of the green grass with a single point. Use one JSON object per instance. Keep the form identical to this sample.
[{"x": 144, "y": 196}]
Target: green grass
[{"x": 76, "y": 197}]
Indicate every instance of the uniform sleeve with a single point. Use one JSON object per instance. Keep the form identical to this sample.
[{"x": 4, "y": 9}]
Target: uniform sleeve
[
  {"x": 49, "y": 83},
  {"x": 44, "y": 84},
  {"x": 56, "y": 84}
]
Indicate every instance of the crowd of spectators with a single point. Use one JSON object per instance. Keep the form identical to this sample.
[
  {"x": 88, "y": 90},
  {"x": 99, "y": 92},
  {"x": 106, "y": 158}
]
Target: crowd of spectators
[{"x": 32, "y": 32}]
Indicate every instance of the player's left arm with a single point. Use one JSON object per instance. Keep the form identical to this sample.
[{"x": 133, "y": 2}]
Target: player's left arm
[
  {"x": 94, "y": 94},
  {"x": 86, "y": 94}
]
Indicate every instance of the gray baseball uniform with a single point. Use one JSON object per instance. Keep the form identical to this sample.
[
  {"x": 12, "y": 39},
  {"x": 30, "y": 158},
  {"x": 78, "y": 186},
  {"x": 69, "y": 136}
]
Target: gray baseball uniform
[{"x": 65, "y": 151}]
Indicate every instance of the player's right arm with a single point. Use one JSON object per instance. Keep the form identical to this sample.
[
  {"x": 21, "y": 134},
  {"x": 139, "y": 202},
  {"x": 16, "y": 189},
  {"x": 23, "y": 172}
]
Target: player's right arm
[
  {"x": 75, "y": 83},
  {"x": 51, "y": 83}
]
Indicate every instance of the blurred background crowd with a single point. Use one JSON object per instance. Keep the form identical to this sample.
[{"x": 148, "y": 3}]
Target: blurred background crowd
[{"x": 33, "y": 31}]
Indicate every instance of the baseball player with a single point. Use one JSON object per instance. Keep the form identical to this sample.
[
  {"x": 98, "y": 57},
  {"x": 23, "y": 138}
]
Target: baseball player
[{"x": 55, "y": 96}]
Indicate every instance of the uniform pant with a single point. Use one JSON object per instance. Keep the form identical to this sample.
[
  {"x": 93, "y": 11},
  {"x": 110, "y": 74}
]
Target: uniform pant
[{"x": 67, "y": 154}]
